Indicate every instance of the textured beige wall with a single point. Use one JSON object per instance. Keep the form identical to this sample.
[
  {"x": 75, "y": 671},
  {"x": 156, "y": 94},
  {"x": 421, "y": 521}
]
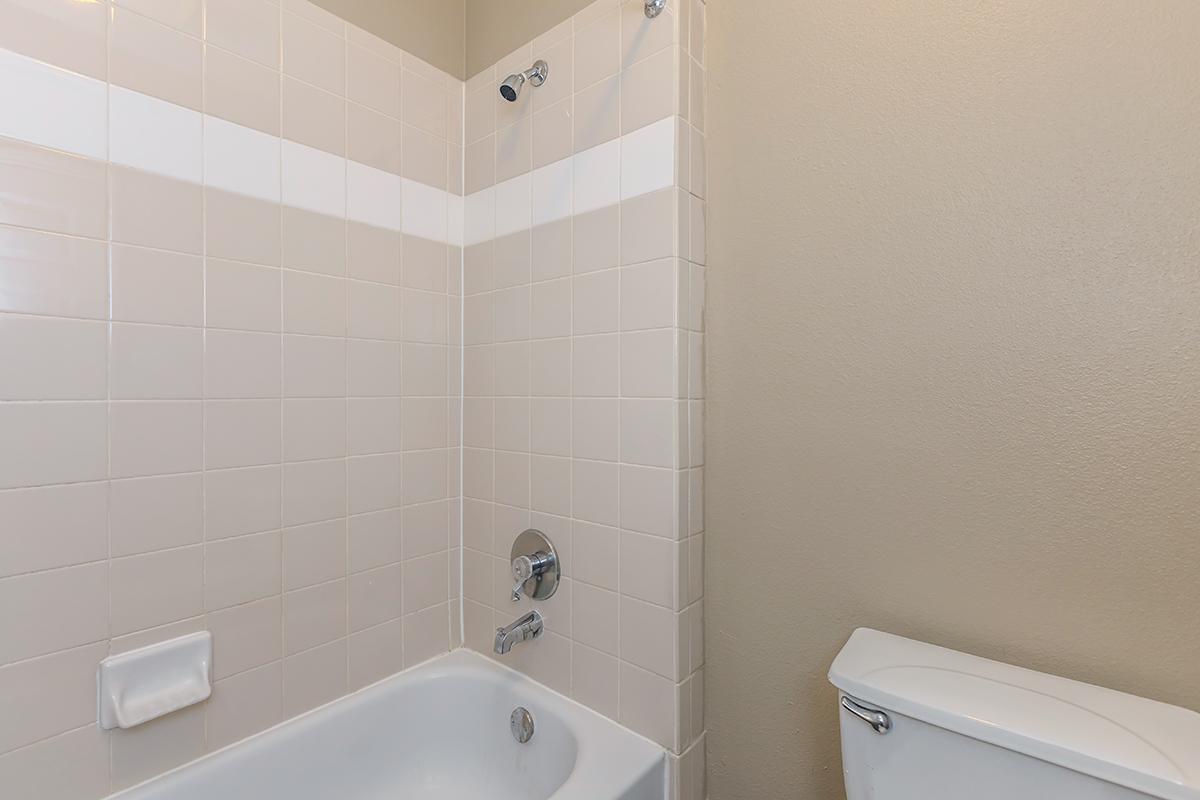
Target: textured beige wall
[
  {"x": 954, "y": 353},
  {"x": 433, "y": 30},
  {"x": 497, "y": 27}
]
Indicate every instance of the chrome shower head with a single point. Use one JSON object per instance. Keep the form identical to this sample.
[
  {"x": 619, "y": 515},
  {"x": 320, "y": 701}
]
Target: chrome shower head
[{"x": 537, "y": 74}]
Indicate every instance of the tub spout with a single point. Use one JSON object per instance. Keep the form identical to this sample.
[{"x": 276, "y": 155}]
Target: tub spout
[{"x": 522, "y": 630}]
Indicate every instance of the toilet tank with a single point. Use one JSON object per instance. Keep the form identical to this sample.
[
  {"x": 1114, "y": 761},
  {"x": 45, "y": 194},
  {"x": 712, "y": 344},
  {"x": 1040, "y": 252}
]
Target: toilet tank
[{"x": 958, "y": 726}]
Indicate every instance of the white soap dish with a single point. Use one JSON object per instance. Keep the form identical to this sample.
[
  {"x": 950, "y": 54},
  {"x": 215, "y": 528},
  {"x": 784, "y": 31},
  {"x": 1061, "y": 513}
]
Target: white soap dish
[{"x": 144, "y": 684}]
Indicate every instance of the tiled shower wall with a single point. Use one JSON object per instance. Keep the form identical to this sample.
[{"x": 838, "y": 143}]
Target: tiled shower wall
[
  {"x": 230, "y": 311},
  {"x": 583, "y": 384},
  {"x": 229, "y": 368}
]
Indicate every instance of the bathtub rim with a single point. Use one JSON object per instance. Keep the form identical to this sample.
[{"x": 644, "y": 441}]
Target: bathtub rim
[{"x": 464, "y": 660}]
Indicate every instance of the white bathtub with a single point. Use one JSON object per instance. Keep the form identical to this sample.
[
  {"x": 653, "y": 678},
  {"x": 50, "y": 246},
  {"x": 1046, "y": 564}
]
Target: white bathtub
[{"x": 439, "y": 731}]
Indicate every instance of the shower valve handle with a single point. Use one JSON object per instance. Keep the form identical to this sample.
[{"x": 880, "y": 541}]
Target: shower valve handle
[{"x": 526, "y": 567}]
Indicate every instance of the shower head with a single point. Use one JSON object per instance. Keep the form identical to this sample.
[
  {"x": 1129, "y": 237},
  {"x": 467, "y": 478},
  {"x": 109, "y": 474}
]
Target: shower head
[
  {"x": 536, "y": 75},
  {"x": 655, "y": 7}
]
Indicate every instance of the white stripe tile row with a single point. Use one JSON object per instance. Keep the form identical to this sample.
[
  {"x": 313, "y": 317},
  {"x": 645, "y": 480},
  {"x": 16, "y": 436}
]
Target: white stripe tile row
[
  {"x": 53, "y": 107},
  {"x": 638, "y": 163}
]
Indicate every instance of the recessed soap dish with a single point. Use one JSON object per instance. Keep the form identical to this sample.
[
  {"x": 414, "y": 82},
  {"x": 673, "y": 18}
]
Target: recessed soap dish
[{"x": 145, "y": 684}]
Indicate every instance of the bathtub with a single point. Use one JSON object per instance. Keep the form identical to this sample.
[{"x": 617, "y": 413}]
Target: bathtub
[{"x": 439, "y": 731}]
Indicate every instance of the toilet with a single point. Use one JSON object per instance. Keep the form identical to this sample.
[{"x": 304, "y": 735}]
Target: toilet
[{"x": 920, "y": 722}]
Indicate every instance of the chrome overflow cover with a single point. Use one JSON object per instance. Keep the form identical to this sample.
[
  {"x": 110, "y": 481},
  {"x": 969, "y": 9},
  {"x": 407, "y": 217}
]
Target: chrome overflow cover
[{"x": 521, "y": 724}]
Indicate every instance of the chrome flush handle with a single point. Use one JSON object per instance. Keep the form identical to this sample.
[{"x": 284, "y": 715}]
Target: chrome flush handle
[{"x": 877, "y": 719}]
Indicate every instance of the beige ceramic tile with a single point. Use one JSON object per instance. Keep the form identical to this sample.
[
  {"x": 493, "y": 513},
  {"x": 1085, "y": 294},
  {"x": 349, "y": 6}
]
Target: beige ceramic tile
[
  {"x": 156, "y": 212},
  {"x": 49, "y": 695},
  {"x": 241, "y": 365},
  {"x": 375, "y": 596},
  {"x": 424, "y": 264},
  {"x": 373, "y": 139},
  {"x": 424, "y": 157},
  {"x": 155, "y": 438},
  {"x": 249, "y": 28},
  {"x": 597, "y": 114},
  {"x": 594, "y": 679},
  {"x": 553, "y": 134},
  {"x": 370, "y": 41},
  {"x": 426, "y": 634},
  {"x": 154, "y": 59},
  {"x": 314, "y": 616},
  {"x": 156, "y": 588},
  {"x": 560, "y": 84},
  {"x": 374, "y": 311},
  {"x": 314, "y": 13},
  {"x": 314, "y": 677},
  {"x": 314, "y": 428},
  {"x": 241, "y": 501},
  {"x": 374, "y": 253},
  {"x": 424, "y": 104},
  {"x": 313, "y": 242},
  {"x": 52, "y": 191},
  {"x": 157, "y": 746},
  {"x": 648, "y": 91},
  {"x": 244, "y": 705},
  {"x": 43, "y": 273},
  {"x": 241, "y": 228},
  {"x": 454, "y": 170},
  {"x": 373, "y": 81},
  {"x": 313, "y": 304},
  {"x": 551, "y": 250},
  {"x": 642, "y": 37},
  {"x": 52, "y": 443},
  {"x": 184, "y": 15},
  {"x": 514, "y": 149},
  {"x": 156, "y": 362},
  {"x": 149, "y": 514},
  {"x": 597, "y": 239},
  {"x": 314, "y": 117},
  {"x": 315, "y": 366},
  {"x": 314, "y": 54},
  {"x": 72, "y": 610},
  {"x": 597, "y": 50},
  {"x": 43, "y": 358},
  {"x": 58, "y": 526},
  {"x": 241, "y": 91},
  {"x": 241, "y": 433},
  {"x": 480, "y": 113},
  {"x": 314, "y": 554},
  {"x": 242, "y": 569},
  {"x": 480, "y": 164},
  {"x": 156, "y": 286},
  {"x": 64, "y": 767},
  {"x": 65, "y": 33},
  {"x": 375, "y": 540},
  {"x": 648, "y": 705},
  {"x": 241, "y": 296},
  {"x": 375, "y": 653},
  {"x": 648, "y": 227},
  {"x": 246, "y": 636},
  {"x": 314, "y": 491}
]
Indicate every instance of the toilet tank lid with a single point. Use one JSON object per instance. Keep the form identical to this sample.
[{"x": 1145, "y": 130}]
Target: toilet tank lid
[{"x": 1129, "y": 741}]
